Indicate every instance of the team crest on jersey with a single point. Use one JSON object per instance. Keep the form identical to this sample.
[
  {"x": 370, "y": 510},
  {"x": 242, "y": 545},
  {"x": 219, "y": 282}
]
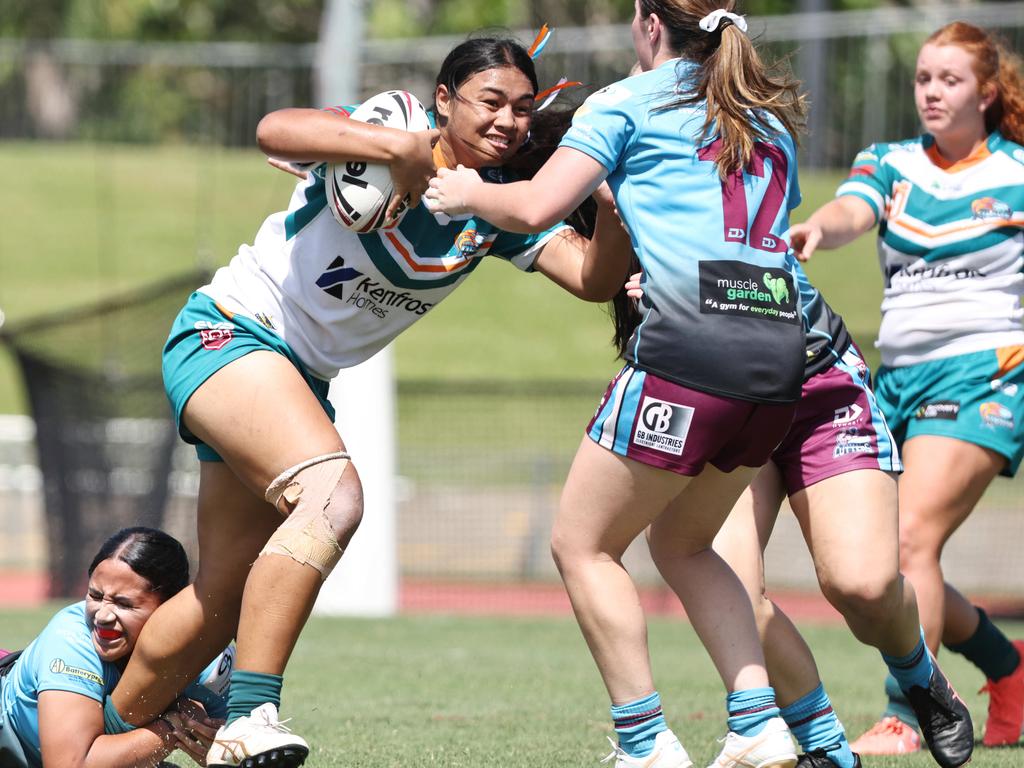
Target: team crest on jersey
[
  {"x": 468, "y": 242},
  {"x": 996, "y": 415},
  {"x": 990, "y": 208},
  {"x": 215, "y": 336},
  {"x": 663, "y": 426}
]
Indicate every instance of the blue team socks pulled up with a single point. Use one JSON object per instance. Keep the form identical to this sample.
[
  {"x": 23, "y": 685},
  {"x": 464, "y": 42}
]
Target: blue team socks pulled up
[
  {"x": 750, "y": 710},
  {"x": 638, "y": 723},
  {"x": 815, "y": 725},
  {"x": 251, "y": 689},
  {"x": 913, "y": 669}
]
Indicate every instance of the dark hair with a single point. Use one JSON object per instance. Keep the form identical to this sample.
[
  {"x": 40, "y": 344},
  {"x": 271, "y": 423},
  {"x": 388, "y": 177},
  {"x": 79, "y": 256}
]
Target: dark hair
[
  {"x": 547, "y": 127},
  {"x": 154, "y": 555},
  {"x": 625, "y": 313},
  {"x": 480, "y": 54}
]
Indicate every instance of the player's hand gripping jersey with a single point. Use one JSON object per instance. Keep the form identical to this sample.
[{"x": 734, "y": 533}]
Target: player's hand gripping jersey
[
  {"x": 720, "y": 310},
  {"x": 950, "y": 244},
  {"x": 336, "y": 297}
]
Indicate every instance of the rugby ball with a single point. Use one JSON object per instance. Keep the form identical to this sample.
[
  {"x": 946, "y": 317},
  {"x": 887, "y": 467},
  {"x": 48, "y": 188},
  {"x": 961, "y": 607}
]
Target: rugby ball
[{"x": 358, "y": 193}]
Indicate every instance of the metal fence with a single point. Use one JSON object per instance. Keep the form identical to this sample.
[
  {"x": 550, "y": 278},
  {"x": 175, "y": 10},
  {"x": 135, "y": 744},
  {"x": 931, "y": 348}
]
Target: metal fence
[
  {"x": 481, "y": 466},
  {"x": 856, "y": 66}
]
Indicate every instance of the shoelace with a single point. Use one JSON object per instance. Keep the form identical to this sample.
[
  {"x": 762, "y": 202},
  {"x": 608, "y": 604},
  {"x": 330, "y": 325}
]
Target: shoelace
[
  {"x": 616, "y": 752},
  {"x": 278, "y": 726}
]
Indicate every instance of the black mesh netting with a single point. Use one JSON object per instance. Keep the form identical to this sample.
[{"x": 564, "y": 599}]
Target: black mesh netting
[{"x": 104, "y": 430}]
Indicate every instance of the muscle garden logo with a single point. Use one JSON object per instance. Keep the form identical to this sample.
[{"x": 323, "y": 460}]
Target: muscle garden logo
[{"x": 738, "y": 288}]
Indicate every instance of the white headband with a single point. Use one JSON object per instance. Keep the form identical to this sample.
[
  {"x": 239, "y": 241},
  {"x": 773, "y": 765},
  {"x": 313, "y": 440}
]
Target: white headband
[{"x": 710, "y": 22}]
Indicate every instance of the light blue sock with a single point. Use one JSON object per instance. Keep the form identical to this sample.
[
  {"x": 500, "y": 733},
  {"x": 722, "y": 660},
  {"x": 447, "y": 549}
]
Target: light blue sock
[
  {"x": 897, "y": 704},
  {"x": 815, "y": 725},
  {"x": 749, "y": 710},
  {"x": 913, "y": 669},
  {"x": 638, "y": 723}
]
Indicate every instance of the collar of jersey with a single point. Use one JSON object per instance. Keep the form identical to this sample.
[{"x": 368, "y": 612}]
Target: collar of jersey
[{"x": 982, "y": 152}]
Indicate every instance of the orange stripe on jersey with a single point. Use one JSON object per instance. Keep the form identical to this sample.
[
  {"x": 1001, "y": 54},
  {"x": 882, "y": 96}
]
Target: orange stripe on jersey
[
  {"x": 1009, "y": 358},
  {"x": 226, "y": 312},
  {"x": 980, "y": 153},
  {"x": 439, "y": 161},
  {"x": 423, "y": 267}
]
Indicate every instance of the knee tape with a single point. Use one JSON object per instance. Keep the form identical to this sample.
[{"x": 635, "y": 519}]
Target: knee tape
[{"x": 303, "y": 495}]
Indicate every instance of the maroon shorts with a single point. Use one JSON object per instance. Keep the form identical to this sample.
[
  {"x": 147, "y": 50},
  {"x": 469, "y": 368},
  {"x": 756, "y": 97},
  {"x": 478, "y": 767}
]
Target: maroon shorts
[
  {"x": 665, "y": 425},
  {"x": 838, "y": 428}
]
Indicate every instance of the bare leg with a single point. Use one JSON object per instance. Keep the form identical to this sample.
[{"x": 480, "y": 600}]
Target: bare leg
[
  {"x": 850, "y": 523},
  {"x": 197, "y": 623},
  {"x": 943, "y": 481},
  {"x": 259, "y": 414},
  {"x": 715, "y": 600},
  {"x": 741, "y": 542},
  {"x": 607, "y": 501}
]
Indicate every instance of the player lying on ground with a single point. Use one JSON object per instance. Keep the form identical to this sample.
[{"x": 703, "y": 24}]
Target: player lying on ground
[{"x": 51, "y": 697}]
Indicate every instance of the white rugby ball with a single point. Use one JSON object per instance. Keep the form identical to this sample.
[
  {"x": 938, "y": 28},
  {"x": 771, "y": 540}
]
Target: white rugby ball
[{"x": 358, "y": 193}]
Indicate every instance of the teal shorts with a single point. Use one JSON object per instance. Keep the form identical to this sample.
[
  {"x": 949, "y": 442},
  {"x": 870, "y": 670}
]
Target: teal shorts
[
  {"x": 977, "y": 398},
  {"x": 205, "y": 338}
]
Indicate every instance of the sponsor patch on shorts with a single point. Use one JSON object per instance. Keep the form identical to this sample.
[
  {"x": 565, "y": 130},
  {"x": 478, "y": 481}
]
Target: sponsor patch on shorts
[
  {"x": 938, "y": 409},
  {"x": 215, "y": 336},
  {"x": 662, "y": 425},
  {"x": 848, "y": 442},
  {"x": 996, "y": 415},
  {"x": 848, "y": 414}
]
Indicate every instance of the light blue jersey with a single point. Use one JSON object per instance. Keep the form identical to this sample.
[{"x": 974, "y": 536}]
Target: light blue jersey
[
  {"x": 63, "y": 658},
  {"x": 721, "y": 309}
]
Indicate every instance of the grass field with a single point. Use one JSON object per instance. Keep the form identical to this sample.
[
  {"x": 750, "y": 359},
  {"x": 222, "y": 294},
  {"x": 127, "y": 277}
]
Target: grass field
[
  {"x": 85, "y": 220},
  {"x": 523, "y": 693}
]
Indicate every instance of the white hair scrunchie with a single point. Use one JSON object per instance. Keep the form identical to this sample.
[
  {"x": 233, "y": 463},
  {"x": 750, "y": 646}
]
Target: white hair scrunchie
[{"x": 710, "y": 22}]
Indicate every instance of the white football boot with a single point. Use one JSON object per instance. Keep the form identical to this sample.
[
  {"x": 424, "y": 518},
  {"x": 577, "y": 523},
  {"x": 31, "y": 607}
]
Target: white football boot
[
  {"x": 773, "y": 747},
  {"x": 667, "y": 753},
  {"x": 259, "y": 739}
]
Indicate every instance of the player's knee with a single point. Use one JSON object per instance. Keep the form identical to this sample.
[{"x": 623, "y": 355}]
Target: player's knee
[
  {"x": 867, "y": 597},
  {"x": 322, "y": 501}
]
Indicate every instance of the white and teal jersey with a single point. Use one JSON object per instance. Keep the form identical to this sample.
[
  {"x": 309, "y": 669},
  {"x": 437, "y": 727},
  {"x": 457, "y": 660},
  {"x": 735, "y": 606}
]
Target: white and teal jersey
[
  {"x": 721, "y": 310},
  {"x": 337, "y": 297},
  {"x": 950, "y": 244},
  {"x": 63, "y": 658}
]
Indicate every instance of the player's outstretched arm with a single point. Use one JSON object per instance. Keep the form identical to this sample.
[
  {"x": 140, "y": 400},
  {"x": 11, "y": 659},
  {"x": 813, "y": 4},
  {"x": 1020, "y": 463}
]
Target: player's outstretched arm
[
  {"x": 592, "y": 270},
  {"x": 562, "y": 183},
  {"x": 835, "y": 224}
]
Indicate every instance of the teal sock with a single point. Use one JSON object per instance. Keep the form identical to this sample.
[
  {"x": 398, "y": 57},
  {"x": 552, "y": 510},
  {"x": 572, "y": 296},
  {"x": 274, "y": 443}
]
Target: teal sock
[
  {"x": 989, "y": 649},
  {"x": 251, "y": 689},
  {"x": 914, "y": 669},
  {"x": 638, "y": 723},
  {"x": 750, "y": 710},
  {"x": 897, "y": 704},
  {"x": 112, "y": 722},
  {"x": 815, "y": 725}
]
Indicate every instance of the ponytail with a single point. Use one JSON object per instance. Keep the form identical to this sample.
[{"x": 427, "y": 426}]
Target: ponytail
[{"x": 740, "y": 93}]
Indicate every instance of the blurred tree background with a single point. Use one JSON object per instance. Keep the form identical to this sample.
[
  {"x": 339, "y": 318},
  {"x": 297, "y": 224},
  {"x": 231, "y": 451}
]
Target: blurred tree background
[{"x": 292, "y": 21}]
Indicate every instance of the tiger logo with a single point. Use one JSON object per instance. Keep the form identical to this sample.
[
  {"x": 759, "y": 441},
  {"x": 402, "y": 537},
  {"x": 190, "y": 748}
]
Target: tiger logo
[{"x": 468, "y": 242}]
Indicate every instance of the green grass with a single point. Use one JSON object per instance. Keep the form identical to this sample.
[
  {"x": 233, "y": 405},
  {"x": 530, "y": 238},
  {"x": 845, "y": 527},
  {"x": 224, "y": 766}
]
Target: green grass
[
  {"x": 83, "y": 220},
  {"x": 523, "y": 693}
]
